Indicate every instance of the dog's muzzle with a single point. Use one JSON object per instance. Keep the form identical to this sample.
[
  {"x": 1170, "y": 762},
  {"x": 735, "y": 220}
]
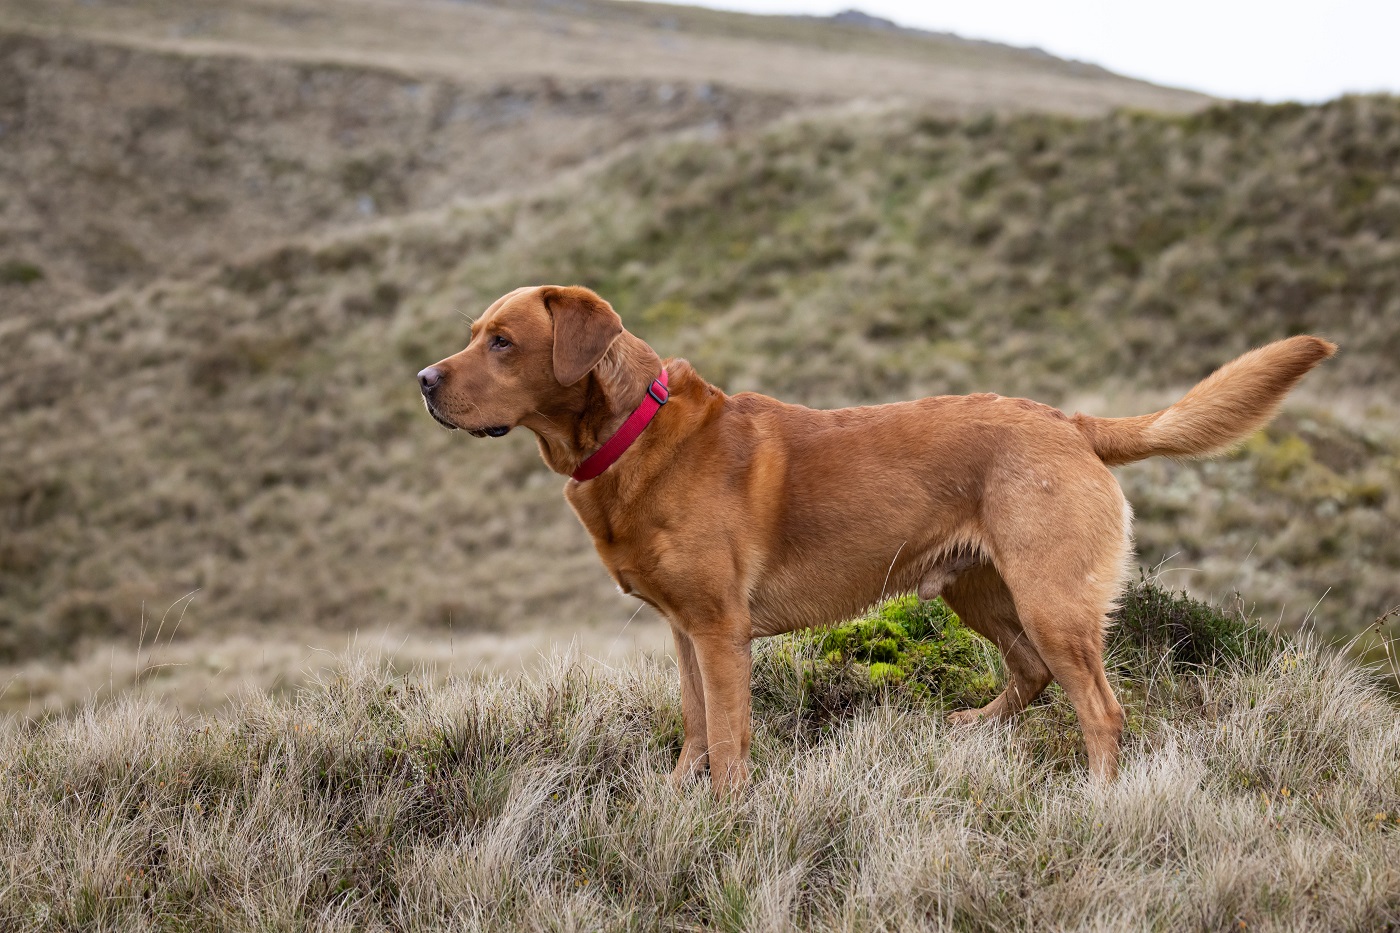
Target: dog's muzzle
[{"x": 428, "y": 381}]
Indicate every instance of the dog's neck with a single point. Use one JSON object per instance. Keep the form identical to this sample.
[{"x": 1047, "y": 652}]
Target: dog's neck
[{"x": 603, "y": 400}]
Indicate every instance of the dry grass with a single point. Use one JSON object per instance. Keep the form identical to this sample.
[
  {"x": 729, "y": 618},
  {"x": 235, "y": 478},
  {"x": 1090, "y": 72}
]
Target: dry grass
[
  {"x": 1261, "y": 793},
  {"x": 204, "y": 672}
]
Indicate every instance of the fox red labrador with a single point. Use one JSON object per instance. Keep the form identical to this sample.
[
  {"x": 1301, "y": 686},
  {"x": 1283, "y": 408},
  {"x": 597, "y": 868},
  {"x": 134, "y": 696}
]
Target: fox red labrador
[{"x": 741, "y": 516}]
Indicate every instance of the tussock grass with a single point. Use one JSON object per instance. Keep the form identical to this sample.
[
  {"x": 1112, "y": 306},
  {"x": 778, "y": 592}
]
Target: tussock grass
[{"x": 1259, "y": 791}]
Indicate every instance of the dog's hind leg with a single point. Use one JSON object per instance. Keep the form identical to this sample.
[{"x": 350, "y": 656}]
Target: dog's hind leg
[
  {"x": 1064, "y": 567},
  {"x": 980, "y": 598},
  {"x": 1067, "y": 629}
]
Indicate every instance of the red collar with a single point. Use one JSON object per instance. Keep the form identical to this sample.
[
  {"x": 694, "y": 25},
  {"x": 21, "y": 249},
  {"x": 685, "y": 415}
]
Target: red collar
[{"x": 602, "y": 458}]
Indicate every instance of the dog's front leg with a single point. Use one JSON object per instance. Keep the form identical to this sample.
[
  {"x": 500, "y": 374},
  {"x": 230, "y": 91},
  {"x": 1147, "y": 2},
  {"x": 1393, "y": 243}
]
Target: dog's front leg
[
  {"x": 726, "y": 665},
  {"x": 692, "y": 760}
]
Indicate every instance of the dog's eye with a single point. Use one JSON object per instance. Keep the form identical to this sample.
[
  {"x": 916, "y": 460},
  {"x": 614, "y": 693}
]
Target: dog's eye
[{"x": 499, "y": 343}]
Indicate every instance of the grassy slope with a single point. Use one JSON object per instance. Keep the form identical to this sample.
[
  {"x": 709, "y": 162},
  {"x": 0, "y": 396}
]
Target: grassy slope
[
  {"x": 1259, "y": 792},
  {"x": 122, "y": 164},
  {"x": 593, "y": 38},
  {"x": 830, "y": 262},
  {"x": 148, "y": 138}
]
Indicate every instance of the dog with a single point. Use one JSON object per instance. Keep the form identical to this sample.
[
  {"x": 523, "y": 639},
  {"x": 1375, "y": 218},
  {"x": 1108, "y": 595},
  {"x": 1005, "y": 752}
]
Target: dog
[{"x": 739, "y": 517}]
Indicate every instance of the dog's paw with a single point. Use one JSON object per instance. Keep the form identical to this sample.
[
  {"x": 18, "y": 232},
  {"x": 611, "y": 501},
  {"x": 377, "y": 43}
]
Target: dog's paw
[
  {"x": 690, "y": 766},
  {"x": 966, "y": 717},
  {"x": 730, "y": 781},
  {"x": 681, "y": 777}
]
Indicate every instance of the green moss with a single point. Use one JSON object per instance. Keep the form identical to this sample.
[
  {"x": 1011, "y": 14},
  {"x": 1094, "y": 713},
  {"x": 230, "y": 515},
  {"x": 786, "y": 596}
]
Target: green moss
[
  {"x": 909, "y": 652},
  {"x": 16, "y": 272},
  {"x": 886, "y": 675}
]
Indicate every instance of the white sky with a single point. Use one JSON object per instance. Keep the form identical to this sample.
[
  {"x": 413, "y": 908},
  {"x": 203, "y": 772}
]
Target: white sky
[{"x": 1249, "y": 49}]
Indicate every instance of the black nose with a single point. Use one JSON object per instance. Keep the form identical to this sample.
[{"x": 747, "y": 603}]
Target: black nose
[{"x": 429, "y": 378}]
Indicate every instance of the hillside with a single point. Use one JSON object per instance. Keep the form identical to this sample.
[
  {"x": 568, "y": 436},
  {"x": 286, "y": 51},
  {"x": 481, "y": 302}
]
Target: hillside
[
  {"x": 230, "y": 232},
  {"x": 1259, "y": 792},
  {"x": 148, "y": 138},
  {"x": 590, "y": 39},
  {"x": 254, "y": 432},
  {"x": 122, "y": 164}
]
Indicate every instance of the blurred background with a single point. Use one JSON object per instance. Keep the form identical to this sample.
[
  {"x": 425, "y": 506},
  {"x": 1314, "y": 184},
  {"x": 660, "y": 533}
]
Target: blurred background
[{"x": 232, "y": 232}]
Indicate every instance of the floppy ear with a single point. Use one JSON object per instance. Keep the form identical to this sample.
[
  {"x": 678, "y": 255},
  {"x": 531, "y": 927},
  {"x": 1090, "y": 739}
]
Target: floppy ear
[{"x": 584, "y": 327}]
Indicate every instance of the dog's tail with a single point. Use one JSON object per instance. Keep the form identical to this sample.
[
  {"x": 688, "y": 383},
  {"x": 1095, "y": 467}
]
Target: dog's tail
[{"x": 1223, "y": 409}]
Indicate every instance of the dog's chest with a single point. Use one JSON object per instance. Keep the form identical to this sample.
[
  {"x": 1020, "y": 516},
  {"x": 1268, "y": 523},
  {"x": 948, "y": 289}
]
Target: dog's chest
[{"x": 616, "y": 549}]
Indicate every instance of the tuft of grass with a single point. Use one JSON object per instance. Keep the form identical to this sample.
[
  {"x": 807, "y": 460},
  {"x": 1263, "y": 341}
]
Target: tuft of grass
[
  {"x": 1152, "y": 625},
  {"x": 1264, "y": 797}
]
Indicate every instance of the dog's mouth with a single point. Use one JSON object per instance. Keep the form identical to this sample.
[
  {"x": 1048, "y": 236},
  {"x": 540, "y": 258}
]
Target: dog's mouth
[
  {"x": 499, "y": 430},
  {"x": 439, "y": 418}
]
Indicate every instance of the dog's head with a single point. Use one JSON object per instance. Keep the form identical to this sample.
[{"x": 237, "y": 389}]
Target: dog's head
[{"x": 527, "y": 356}]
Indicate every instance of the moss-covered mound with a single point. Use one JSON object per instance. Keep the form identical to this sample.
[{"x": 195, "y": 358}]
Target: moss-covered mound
[{"x": 909, "y": 650}]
